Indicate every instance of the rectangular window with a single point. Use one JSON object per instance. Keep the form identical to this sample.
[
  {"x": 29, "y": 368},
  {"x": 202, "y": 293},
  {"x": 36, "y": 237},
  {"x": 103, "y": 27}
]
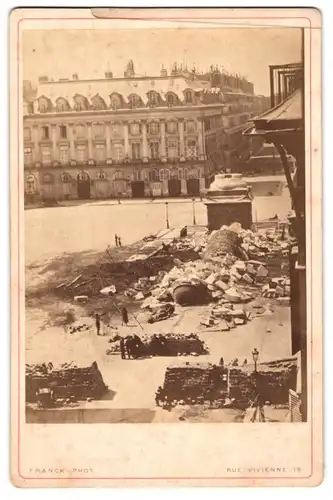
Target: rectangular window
[
  {"x": 63, "y": 132},
  {"x": 46, "y": 156},
  {"x": 45, "y": 133},
  {"x": 80, "y": 131},
  {"x": 63, "y": 155},
  {"x": 27, "y": 156},
  {"x": 191, "y": 149},
  {"x": 172, "y": 127},
  {"x": 117, "y": 152},
  {"x": 135, "y": 129},
  {"x": 189, "y": 126},
  {"x": 100, "y": 152},
  {"x": 153, "y": 128},
  {"x": 117, "y": 129},
  {"x": 81, "y": 154},
  {"x": 98, "y": 130},
  {"x": 136, "y": 150},
  {"x": 173, "y": 149},
  {"x": 27, "y": 134},
  {"x": 154, "y": 150}
]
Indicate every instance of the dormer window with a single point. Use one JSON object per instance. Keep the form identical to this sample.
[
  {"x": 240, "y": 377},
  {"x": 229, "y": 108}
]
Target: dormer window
[
  {"x": 62, "y": 105},
  {"x": 188, "y": 97}
]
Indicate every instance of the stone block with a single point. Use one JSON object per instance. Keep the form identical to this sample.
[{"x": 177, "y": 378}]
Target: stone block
[
  {"x": 247, "y": 278},
  {"x": 262, "y": 272}
]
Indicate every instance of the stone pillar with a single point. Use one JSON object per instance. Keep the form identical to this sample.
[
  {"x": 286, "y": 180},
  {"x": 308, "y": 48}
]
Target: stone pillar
[
  {"x": 108, "y": 139},
  {"x": 163, "y": 144},
  {"x": 202, "y": 186},
  {"x": 144, "y": 142},
  {"x": 181, "y": 140},
  {"x": 72, "y": 154},
  {"x": 90, "y": 144},
  {"x": 35, "y": 138},
  {"x": 201, "y": 141},
  {"x": 126, "y": 142},
  {"x": 54, "y": 142},
  {"x": 183, "y": 186}
]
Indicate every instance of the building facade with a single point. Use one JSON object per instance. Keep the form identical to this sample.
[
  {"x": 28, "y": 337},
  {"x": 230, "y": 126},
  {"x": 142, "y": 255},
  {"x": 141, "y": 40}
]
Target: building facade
[{"x": 123, "y": 137}]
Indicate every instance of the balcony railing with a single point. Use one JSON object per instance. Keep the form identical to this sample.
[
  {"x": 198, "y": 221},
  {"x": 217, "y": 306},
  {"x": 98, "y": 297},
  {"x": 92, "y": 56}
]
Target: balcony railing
[{"x": 285, "y": 79}]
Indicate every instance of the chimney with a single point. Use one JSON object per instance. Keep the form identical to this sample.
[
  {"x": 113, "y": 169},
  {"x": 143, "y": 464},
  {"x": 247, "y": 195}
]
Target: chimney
[{"x": 75, "y": 76}]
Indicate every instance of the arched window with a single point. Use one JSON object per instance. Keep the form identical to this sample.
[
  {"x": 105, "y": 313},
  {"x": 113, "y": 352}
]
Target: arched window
[
  {"x": 44, "y": 105},
  {"x": 65, "y": 177},
  {"x": 185, "y": 173},
  {"x": 62, "y": 104},
  {"x": 135, "y": 101},
  {"x": 180, "y": 174},
  {"x": 116, "y": 101},
  {"x": 153, "y": 176},
  {"x": 137, "y": 175},
  {"x": 80, "y": 103},
  {"x": 167, "y": 175},
  {"x": 162, "y": 175},
  {"x": 188, "y": 96},
  {"x": 98, "y": 102},
  {"x": 153, "y": 98},
  {"x": 172, "y": 99},
  {"x": 83, "y": 176},
  {"x": 117, "y": 152},
  {"x": 31, "y": 184}
]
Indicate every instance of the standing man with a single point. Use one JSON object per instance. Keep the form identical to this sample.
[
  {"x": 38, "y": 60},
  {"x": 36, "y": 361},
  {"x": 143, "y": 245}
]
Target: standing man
[
  {"x": 122, "y": 348},
  {"x": 116, "y": 240},
  {"x": 124, "y": 316},
  {"x": 98, "y": 323},
  {"x": 119, "y": 241}
]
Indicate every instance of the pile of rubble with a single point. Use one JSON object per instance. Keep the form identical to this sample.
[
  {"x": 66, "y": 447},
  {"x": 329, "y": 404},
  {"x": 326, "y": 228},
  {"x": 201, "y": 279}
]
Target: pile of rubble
[
  {"x": 65, "y": 384},
  {"x": 169, "y": 344},
  {"x": 224, "y": 386},
  {"x": 277, "y": 288},
  {"x": 266, "y": 244}
]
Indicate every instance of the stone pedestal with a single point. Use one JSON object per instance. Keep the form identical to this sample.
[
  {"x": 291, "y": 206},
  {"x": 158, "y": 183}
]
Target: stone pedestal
[
  {"x": 225, "y": 211},
  {"x": 230, "y": 201}
]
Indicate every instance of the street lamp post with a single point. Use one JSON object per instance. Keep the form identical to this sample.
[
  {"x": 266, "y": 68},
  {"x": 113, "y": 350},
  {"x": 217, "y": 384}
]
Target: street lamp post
[
  {"x": 259, "y": 410},
  {"x": 167, "y": 214},
  {"x": 193, "y": 210},
  {"x": 255, "y": 356}
]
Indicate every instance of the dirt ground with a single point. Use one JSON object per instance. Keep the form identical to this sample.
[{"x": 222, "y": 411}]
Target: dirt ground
[{"x": 54, "y": 253}]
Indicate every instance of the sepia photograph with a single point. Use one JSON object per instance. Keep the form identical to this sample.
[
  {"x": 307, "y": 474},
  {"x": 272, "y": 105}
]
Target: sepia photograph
[{"x": 164, "y": 225}]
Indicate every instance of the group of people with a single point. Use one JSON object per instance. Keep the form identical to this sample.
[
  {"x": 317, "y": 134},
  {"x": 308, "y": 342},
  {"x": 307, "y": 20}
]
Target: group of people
[
  {"x": 131, "y": 347},
  {"x": 117, "y": 240},
  {"x": 98, "y": 321}
]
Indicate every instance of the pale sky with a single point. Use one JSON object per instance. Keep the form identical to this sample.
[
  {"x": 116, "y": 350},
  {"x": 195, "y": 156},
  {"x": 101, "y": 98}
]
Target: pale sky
[{"x": 249, "y": 51}]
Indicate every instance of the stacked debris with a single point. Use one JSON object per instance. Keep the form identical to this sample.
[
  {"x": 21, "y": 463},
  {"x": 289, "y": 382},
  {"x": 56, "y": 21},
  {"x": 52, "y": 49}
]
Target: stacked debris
[
  {"x": 169, "y": 344},
  {"x": 68, "y": 382},
  {"x": 200, "y": 383},
  {"x": 225, "y": 386},
  {"x": 277, "y": 288},
  {"x": 226, "y": 317}
]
